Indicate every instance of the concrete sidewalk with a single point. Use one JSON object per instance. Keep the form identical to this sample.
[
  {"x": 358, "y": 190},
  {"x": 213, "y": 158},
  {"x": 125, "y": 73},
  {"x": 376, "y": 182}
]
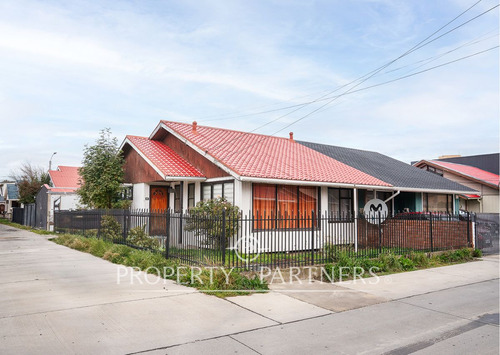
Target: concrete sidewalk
[{"x": 58, "y": 300}]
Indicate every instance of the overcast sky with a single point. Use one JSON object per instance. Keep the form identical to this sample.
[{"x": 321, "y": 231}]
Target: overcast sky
[{"x": 70, "y": 68}]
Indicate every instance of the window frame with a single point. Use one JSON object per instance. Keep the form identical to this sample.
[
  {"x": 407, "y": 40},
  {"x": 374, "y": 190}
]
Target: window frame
[
  {"x": 212, "y": 183},
  {"x": 191, "y": 198},
  {"x": 339, "y": 217},
  {"x": 274, "y": 218}
]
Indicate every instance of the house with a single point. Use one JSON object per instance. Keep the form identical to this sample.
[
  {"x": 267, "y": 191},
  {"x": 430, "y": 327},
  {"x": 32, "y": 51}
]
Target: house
[
  {"x": 9, "y": 197},
  {"x": 60, "y": 194},
  {"x": 485, "y": 182},
  {"x": 180, "y": 164}
]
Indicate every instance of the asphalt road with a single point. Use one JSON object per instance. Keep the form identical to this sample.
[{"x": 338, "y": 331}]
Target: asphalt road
[{"x": 58, "y": 300}]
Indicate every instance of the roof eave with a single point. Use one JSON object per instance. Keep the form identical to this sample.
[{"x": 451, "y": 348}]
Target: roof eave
[
  {"x": 162, "y": 175},
  {"x": 435, "y": 191},
  {"x": 313, "y": 183}
]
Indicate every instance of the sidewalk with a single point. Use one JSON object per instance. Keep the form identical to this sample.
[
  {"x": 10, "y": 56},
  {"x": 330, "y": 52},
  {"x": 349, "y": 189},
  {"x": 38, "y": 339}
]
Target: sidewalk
[{"x": 58, "y": 300}]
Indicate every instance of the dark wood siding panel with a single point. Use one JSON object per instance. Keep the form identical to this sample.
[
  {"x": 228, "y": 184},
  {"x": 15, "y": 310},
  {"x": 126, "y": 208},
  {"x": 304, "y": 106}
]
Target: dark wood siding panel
[
  {"x": 137, "y": 170},
  {"x": 208, "y": 169}
]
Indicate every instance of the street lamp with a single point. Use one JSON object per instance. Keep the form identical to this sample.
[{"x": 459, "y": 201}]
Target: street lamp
[{"x": 50, "y": 161}]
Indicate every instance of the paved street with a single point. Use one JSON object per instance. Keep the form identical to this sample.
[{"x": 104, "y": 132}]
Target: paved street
[{"x": 58, "y": 300}]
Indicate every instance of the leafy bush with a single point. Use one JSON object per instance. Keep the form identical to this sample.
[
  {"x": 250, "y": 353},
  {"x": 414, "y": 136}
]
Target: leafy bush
[
  {"x": 459, "y": 255},
  {"x": 406, "y": 263},
  {"x": 419, "y": 259},
  {"x": 389, "y": 262},
  {"x": 110, "y": 228},
  {"x": 332, "y": 252},
  {"x": 477, "y": 253},
  {"x": 206, "y": 220},
  {"x": 138, "y": 237}
]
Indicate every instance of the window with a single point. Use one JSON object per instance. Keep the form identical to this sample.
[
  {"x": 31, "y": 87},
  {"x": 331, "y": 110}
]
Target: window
[
  {"x": 210, "y": 191},
  {"x": 126, "y": 193},
  {"x": 177, "y": 198},
  {"x": 191, "y": 189},
  {"x": 340, "y": 203},
  {"x": 283, "y": 206},
  {"x": 438, "y": 203},
  {"x": 434, "y": 170}
]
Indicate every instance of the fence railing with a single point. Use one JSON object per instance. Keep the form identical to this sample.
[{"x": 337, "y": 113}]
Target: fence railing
[{"x": 270, "y": 239}]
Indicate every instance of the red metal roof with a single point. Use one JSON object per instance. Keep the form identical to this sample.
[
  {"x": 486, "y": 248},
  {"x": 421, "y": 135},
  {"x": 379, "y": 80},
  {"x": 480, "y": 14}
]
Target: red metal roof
[
  {"x": 471, "y": 196},
  {"x": 269, "y": 157},
  {"x": 164, "y": 158},
  {"x": 65, "y": 178},
  {"x": 471, "y": 171}
]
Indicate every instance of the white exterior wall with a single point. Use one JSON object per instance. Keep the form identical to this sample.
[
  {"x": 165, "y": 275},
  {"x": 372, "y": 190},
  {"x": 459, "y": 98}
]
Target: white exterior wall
[
  {"x": 245, "y": 192},
  {"x": 141, "y": 196},
  {"x": 68, "y": 201}
]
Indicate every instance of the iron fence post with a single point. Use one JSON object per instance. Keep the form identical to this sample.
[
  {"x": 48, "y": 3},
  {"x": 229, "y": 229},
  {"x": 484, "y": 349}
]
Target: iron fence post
[
  {"x": 223, "y": 241},
  {"x": 312, "y": 236},
  {"x": 124, "y": 233},
  {"x": 468, "y": 229},
  {"x": 379, "y": 233},
  {"x": 167, "y": 240},
  {"x": 430, "y": 232}
]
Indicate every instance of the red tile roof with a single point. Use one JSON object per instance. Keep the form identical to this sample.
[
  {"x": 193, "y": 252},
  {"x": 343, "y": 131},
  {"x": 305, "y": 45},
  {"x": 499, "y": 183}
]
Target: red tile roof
[
  {"x": 65, "y": 178},
  {"x": 470, "y": 171},
  {"x": 164, "y": 158},
  {"x": 268, "y": 157}
]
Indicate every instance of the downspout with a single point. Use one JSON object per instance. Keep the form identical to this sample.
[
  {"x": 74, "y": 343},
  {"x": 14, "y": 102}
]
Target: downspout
[{"x": 392, "y": 198}]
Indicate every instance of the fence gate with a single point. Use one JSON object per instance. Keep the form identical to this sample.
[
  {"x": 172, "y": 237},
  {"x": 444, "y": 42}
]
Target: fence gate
[{"x": 487, "y": 228}]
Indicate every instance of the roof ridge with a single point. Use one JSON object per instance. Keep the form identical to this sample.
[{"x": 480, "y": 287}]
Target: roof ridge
[{"x": 227, "y": 130}]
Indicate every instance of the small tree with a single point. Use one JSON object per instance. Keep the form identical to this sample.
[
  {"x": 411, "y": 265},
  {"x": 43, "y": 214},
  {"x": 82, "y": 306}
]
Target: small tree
[
  {"x": 29, "y": 180},
  {"x": 102, "y": 173},
  {"x": 206, "y": 219}
]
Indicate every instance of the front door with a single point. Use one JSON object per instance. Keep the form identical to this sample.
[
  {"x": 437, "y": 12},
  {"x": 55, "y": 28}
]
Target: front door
[{"x": 158, "y": 205}]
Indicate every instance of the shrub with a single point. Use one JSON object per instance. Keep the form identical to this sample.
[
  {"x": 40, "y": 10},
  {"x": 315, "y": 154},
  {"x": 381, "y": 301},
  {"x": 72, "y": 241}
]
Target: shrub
[
  {"x": 206, "y": 220},
  {"x": 389, "y": 262},
  {"x": 419, "y": 259},
  {"x": 477, "y": 253},
  {"x": 138, "y": 237},
  {"x": 406, "y": 264},
  {"x": 110, "y": 228}
]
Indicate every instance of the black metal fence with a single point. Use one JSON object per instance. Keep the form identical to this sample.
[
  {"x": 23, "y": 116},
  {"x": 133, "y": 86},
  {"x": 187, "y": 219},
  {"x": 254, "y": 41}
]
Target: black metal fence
[
  {"x": 25, "y": 215},
  {"x": 269, "y": 240}
]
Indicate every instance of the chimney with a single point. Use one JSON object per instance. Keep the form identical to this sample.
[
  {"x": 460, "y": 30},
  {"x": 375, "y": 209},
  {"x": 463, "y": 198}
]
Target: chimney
[
  {"x": 291, "y": 137},
  {"x": 194, "y": 127}
]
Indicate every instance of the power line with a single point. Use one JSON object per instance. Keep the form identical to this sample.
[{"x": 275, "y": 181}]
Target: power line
[
  {"x": 323, "y": 98},
  {"x": 363, "y": 78},
  {"x": 352, "y": 92},
  {"x": 375, "y": 71}
]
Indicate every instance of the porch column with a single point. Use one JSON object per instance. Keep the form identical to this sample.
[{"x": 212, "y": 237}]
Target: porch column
[{"x": 356, "y": 212}]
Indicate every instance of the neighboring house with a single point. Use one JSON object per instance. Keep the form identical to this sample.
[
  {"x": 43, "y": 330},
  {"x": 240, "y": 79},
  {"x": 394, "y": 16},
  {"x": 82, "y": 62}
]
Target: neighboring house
[
  {"x": 180, "y": 164},
  {"x": 486, "y": 183},
  {"x": 10, "y": 197},
  {"x": 487, "y": 162},
  {"x": 61, "y": 195}
]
